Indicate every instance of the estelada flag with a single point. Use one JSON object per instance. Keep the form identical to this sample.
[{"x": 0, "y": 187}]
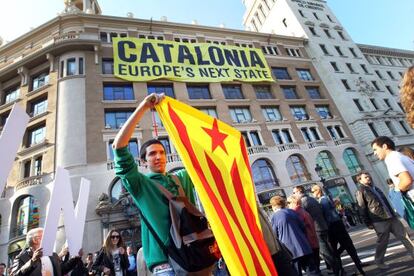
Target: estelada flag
[{"x": 216, "y": 159}]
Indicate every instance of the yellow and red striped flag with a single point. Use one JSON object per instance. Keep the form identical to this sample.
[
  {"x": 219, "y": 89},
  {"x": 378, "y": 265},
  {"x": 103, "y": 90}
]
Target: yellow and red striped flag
[{"x": 215, "y": 157}]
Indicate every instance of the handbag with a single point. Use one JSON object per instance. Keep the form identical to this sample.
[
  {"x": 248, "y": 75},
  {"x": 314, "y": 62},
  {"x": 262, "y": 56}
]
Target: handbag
[{"x": 409, "y": 210}]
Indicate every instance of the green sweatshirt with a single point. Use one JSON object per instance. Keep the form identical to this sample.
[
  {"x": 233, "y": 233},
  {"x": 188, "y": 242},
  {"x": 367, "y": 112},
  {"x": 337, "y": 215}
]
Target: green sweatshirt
[{"x": 150, "y": 201}]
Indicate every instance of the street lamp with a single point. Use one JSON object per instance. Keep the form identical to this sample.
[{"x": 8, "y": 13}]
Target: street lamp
[{"x": 319, "y": 171}]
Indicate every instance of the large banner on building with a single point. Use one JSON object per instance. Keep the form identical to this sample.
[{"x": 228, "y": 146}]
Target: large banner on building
[{"x": 145, "y": 60}]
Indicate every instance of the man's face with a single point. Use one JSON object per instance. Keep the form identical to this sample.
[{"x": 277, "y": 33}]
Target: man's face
[
  {"x": 37, "y": 238},
  {"x": 365, "y": 179},
  {"x": 89, "y": 258},
  {"x": 129, "y": 250},
  {"x": 156, "y": 158},
  {"x": 2, "y": 269},
  {"x": 380, "y": 152}
]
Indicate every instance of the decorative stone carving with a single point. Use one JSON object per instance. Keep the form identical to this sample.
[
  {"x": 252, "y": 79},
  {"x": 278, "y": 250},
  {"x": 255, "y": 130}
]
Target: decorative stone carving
[{"x": 104, "y": 202}]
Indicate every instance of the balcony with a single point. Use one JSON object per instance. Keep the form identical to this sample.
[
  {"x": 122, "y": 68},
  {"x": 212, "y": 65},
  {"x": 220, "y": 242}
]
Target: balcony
[
  {"x": 257, "y": 149},
  {"x": 286, "y": 147},
  {"x": 30, "y": 181},
  {"x": 316, "y": 144},
  {"x": 64, "y": 37},
  {"x": 342, "y": 141}
]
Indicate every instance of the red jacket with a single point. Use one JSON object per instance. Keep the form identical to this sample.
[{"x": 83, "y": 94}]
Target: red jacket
[{"x": 309, "y": 226}]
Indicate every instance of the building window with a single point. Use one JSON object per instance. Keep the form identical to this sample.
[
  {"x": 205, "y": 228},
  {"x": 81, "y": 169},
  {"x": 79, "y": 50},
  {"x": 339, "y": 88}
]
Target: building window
[
  {"x": 391, "y": 128},
  {"x": 312, "y": 30},
  {"x": 364, "y": 68},
  {"x": 27, "y": 168},
  {"x": 358, "y": 105},
  {"x": 80, "y": 66},
  {"x": 40, "y": 80},
  {"x": 323, "y": 111},
  {"x": 116, "y": 119},
  {"x": 116, "y": 190},
  {"x": 108, "y": 66},
  {"x": 329, "y": 18},
  {"x": 167, "y": 145},
  {"x": 271, "y": 113},
  {"x": 168, "y": 90},
  {"x": 328, "y": 34},
  {"x": 209, "y": 111},
  {"x": 389, "y": 89},
  {"x": 132, "y": 147},
  {"x": 324, "y": 49},
  {"x": 270, "y": 50},
  {"x": 38, "y": 107},
  {"x": 11, "y": 95},
  {"x": 36, "y": 135},
  {"x": 310, "y": 134},
  {"x": 70, "y": 67},
  {"x": 404, "y": 127},
  {"x": 373, "y": 130},
  {"x": 38, "y": 165},
  {"x": 299, "y": 113},
  {"x": 289, "y": 92},
  {"x": 353, "y": 52},
  {"x": 341, "y": 35},
  {"x": 325, "y": 160},
  {"x": 198, "y": 92},
  {"x": 346, "y": 85},
  {"x": 391, "y": 75},
  {"x": 297, "y": 170},
  {"x": 300, "y": 12},
  {"x": 263, "y": 92},
  {"x": 374, "y": 83},
  {"x": 27, "y": 216},
  {"x": 339, "y": 51},
  {"x": 304, "y": 74},
  {"x": 284, "y": 22},
  {"x": 118, "y": 92},
  {"x": 374, "y": 103},
  {"x": 255, "y": 138},
  {"x": 335, "y": 132},
  {"x": 264, "y": 177},
  {"x": 240, "y": 114},
  {"x": 282, "y": 136},
  {"x": 334, "y": 66},
  {"x": 387, "y": 103},
  {"x": 352, "y": 161},
  {"x": 316, "y": 15},
  {"x": 293, "y": 52},
  {"x": 281, "y": 73},
  {"x": 313, "y": 92},
  {"x": 350, "y": 68},
  {"x": 232, "y": 92},
  {"x": 379, "y": 74}
]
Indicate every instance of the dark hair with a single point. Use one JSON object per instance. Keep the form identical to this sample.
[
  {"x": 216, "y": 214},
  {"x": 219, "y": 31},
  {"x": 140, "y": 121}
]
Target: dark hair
[
  {"x": 300, "y": 189},
  {"x": 358, "y": 176},
  {"x": 90, "y": 254},
  {"x": 384, "y": 140},
  {"x": 143, "y": 149},
  {"x": 389, "y": 181},
  {"x": 3, "y": 264}
]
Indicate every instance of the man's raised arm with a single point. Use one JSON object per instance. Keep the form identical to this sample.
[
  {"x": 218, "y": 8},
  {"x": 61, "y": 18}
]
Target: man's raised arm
[{"x": 123, "y": 136}]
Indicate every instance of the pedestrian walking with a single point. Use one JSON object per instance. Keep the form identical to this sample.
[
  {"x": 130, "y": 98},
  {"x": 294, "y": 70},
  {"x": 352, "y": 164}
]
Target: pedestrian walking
[
  {"x": 338, "y": 235},
  {"x": 378, "y": 214},
  {"x": 313, "y": 207}
]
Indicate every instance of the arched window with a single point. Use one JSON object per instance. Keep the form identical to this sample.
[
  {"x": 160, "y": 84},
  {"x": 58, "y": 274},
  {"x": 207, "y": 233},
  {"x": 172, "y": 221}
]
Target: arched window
[
  {"x": 297, "y": 170},
  {"x": 263, "y": 175},
  {"x": 116, "y": 189},
  {"x": 352, "y": 161},
  {"x": 325, "y": 160},
  {"x": 27, "y": 216}
]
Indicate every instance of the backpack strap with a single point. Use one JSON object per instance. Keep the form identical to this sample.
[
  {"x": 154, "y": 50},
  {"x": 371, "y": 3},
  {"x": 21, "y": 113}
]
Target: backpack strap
[{"x": 178, "y": 183}]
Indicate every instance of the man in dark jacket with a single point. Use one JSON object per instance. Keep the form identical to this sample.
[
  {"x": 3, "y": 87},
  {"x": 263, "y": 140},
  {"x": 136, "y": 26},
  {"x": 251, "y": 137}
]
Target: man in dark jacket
[
  {"x": 377, "y": 213},
  {"x": 30, "y": 262},
  {"x": 313, "y": 207}
]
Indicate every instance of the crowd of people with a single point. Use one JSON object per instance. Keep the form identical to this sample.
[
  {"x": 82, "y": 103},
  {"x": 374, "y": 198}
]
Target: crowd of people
[{"x": 302, "y": 230}]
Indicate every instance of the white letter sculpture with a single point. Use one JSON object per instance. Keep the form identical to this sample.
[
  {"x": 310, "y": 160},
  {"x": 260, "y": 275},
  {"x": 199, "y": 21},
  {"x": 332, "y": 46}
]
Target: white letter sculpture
[
  {"x": 10, "y": 139},
  {"x": 74, "y": 218}
]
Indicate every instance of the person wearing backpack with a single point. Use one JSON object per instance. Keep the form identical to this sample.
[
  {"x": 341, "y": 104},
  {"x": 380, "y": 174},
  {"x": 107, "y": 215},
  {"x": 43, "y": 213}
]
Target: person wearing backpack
[{"x": 145, "y": 188}]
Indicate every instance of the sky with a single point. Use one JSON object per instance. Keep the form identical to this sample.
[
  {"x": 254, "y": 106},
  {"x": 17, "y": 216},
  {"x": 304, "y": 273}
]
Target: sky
[{"x": 376, "y": 22}]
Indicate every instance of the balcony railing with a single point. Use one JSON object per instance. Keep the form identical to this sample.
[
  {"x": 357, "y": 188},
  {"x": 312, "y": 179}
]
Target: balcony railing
[
  {"x": 316, "y": 144},
  {"x": 29, "y": 181},
  {"x": 342, "y": 141},
  {"x": 286, "y": 147},
  {"x": 257, "y": 149},
  {"x": 66, "y": 36}
]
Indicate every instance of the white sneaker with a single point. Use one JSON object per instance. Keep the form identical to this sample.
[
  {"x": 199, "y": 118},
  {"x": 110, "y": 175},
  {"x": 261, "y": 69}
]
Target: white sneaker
[{"x": 383, "y": 266}]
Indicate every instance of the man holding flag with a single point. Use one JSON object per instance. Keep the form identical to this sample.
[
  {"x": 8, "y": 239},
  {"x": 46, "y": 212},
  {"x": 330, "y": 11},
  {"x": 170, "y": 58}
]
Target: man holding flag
[{"x": 215, "y": 157}]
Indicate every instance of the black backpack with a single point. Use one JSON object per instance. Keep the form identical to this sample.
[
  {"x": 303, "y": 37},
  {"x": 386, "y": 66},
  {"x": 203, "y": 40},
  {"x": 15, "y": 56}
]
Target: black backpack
[{"x": 193, "y": 247}]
